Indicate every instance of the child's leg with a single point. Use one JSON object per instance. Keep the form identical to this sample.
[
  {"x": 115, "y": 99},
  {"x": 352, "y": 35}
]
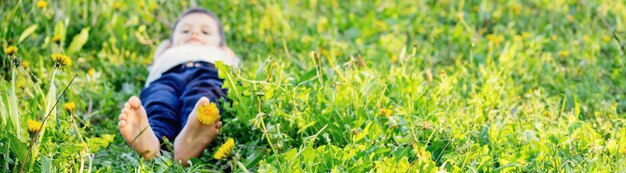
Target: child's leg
[
  {"x": 136, "y": 129},
  {"x": 160, "y": 100},
  {"x": 204, "y": 87},
  {"x": 205, "y": 83},
  {"x": 143, "y": 122}
]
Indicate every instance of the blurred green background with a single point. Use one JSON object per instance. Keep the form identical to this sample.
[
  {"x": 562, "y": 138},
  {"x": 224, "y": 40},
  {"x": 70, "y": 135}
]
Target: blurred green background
[{"x": 328, "y": 85}]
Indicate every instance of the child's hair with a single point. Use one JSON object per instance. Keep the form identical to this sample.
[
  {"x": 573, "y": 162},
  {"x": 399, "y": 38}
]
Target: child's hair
[{"x": 202, "y": 11}]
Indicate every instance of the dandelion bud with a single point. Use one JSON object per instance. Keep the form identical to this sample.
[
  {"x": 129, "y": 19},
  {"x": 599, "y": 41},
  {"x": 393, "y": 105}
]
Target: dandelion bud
[
  {"x": 56, "y": 39},
  {"x": 91, "y": 72},
  {"x": 69, "y": 107},
  {"x": 42, "y": 4},
  {"x": 11, "y": 50},
  {"x": 25, "y": 64},
  {"x": 564, "y": 53},
  {"x": 606, "y": 38},
  {"x": 386, "y": 112}
]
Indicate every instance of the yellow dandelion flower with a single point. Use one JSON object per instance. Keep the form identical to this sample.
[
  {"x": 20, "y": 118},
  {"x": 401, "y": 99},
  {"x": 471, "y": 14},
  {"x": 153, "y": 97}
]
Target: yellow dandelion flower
[
  {"x": 33, "y": 126},
  {"x": 386, "y": 112},
  {"x": 491, "y": 37},
  {"x": 496, "y": 39},
  {"x": 61, "y": 59},
  {"x": 421, "y": 30},
  {"x": 117, "y": 5},
  {"x": 11, "y": 50},
  {"x": 208, "y": 113},
  {"x": 225, "y": 150},
  {"x": 69, "y": 107},
  {"x": 21, "y": 84},
  {"x": 42, "y": 4},
  {"x": 393, "y": 59},
  {"x": 482, "y": 31},
  {"x": 606, "y": 38},
  {"x": 323, "y": 24},
  {"x": 570, "y": 18},
  {"x": 553, "y": 37},
  {"x": 91, "y": 72},
  {"x": 547, "y": 114},
  {"x": 517, "y": 9},
  {"x": 564, "y": 53},
  {"x": 526, "y": 34},
  {"x": 56, "y": 39},
  {"x": 586, "y": 38},
  {"x": 25, "y": 64},
  {"x": 459, "y": 15}
]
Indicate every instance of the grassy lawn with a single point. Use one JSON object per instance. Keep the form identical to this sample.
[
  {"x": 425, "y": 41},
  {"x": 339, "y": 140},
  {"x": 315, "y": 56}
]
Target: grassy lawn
[{"x": 329, "y": 85}]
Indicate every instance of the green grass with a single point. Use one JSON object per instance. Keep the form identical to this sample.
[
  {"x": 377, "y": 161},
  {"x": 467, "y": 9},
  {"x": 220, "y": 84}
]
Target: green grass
[{"x": 342, "y": 86}]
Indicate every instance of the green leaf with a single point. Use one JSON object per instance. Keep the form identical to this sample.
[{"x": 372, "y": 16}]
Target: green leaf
[
  {"x": 50, "y": 101},
  {"x": 308, "y": 75},
  {"x": 108, "y": 138},
  {"x": 17, "y": 146},
  {"x": 3, "y": 112},
  {"x": 375, "y": 131},
  {"x": 291, "y": 154},
  {"x": 13, "y": 113},
  {"x": 576, "y": 106},
  {"x": 5, "y": 151},
  {"x": 46, "y": 164},
  {"x": 27, "y": 32},
  {"x": 309, "y": 154},
  {"x": 96, "y": 143},
  {"x": 362, "y": 134},
  {"x": 253, "y": 158},
  {"x": 222, "y": 69},
  {"x": 79, "y": 40},
  {"x": 381, "y": 150},
  {"x": 60, "y": 30}
]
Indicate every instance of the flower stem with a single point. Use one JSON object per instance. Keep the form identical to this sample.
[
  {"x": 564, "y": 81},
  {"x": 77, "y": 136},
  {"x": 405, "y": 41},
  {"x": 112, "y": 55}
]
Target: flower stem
[
  {"x": 35, "y": 138},
  {"x": 240, "y": 165}
]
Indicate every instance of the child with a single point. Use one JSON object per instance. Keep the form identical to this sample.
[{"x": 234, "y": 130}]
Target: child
[{"x": 182, "y": 77}]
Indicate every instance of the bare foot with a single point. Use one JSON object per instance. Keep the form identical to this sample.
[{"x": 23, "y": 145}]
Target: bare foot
[
  {"x": 136, "y": 129},
  {"x": 194, "y": 137}
]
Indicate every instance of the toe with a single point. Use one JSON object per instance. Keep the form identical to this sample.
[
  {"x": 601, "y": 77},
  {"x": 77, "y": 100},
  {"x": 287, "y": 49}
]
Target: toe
[
  {"x": 203, "y": 100},
  {"x": 218, "y": 125},
  {"x": 122, "y": 123},
  {"x": 125, "y": 111},
  {"x": 134, "y": 102},
  {"x": 123, "y": 116},
  {"x": 126, "y": 105}
]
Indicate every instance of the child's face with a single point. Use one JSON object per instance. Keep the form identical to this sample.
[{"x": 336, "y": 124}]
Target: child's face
[{"x": 197, "y": 29}]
